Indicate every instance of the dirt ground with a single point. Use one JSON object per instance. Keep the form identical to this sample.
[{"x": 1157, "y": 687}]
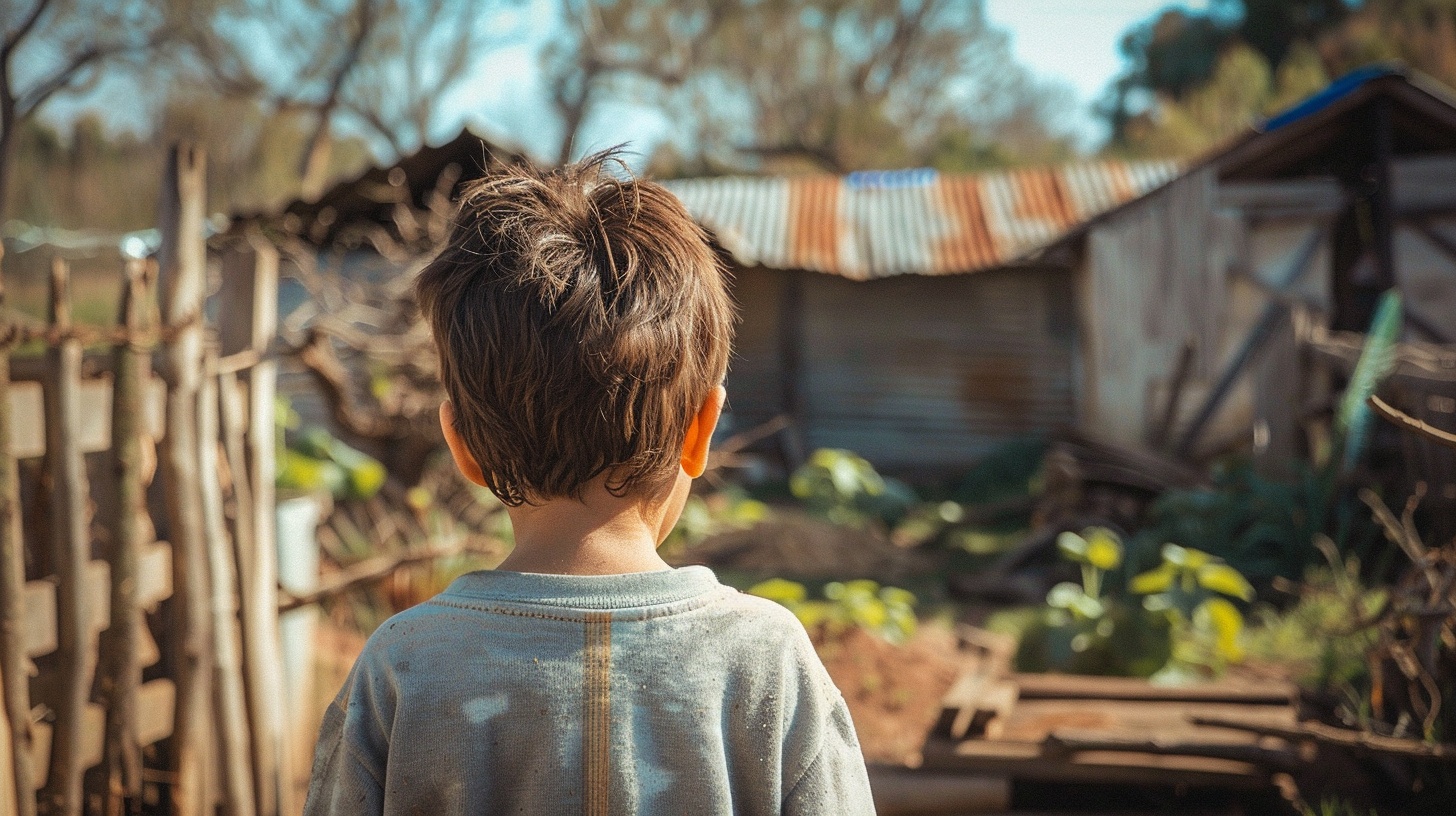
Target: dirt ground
[{"x": 893, "y": 692}]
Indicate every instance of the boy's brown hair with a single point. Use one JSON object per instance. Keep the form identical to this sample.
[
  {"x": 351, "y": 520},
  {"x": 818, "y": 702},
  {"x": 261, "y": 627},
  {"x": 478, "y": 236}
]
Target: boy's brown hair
[{"x": 581, "y": 321}]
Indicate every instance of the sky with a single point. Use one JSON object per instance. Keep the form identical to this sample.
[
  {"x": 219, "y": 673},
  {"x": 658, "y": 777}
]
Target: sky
[
  {"x": 1075, "y": 42},
  {"x": 1071, "y": 42}
]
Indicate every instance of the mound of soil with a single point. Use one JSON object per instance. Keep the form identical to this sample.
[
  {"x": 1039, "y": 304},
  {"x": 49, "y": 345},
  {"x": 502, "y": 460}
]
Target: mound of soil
[
  {"x": 894, "y": 692},
  {"x": 795, "y": 545}
]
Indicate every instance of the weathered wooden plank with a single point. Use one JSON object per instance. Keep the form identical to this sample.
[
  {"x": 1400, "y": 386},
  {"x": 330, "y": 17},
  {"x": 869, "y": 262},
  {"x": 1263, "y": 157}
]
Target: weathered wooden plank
[
  {"x": 93, "y": 433},
  {"x": 1031, "y": 761},
  {"x": 71, "y": 545},
  {"x": 1034, "y": 720},
  {"x": 40, "y": 618},
  {"x": 250, "y": 298},
  {"x": 148, "y": 652},
  {"x": 156, "y": 701},
  {"x": 154, "y": 574},
  {"x": 182, "y": 257},
  {"x": 1086, "y": 687},
  {"x": 229, "y": 698},
  {"x": 88, "y": 749}
]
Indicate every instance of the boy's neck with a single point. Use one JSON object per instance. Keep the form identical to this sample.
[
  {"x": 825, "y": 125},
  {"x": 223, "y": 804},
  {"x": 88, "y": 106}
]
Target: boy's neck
[{"x": 600, "y": 534}]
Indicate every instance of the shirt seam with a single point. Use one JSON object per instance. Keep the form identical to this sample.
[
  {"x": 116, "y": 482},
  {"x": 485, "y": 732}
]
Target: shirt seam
[{"x": 628, "y": 613}]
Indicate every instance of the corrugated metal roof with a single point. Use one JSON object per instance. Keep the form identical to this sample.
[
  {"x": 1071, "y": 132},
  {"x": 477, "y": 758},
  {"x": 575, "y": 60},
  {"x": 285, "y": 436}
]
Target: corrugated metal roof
[{"x": 911, "y": 222}]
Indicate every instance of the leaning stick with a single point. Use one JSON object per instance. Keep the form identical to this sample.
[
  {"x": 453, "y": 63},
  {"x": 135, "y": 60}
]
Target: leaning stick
[{"x": 1410, "y": 423}]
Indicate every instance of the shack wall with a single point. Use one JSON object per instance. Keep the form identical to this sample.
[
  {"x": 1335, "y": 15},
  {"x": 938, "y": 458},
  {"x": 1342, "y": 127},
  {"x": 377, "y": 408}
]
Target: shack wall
[{"x": 915, "y": 373}]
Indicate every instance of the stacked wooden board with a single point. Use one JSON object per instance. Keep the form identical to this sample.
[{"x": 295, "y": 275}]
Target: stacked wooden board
[{"x": 1070, "y": 728}]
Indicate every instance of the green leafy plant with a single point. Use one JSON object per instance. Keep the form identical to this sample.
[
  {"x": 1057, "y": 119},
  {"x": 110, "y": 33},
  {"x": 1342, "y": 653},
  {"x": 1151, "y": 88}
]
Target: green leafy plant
[
  {"x": 887, "y": 612},
  {"x": 1318, "y": 638},
  {"x": 312, "y": 459},
  {"x": 844, "y": 488},
  {"x": 1083, "y": 631},
  {"x": 1193, "y": 589}
]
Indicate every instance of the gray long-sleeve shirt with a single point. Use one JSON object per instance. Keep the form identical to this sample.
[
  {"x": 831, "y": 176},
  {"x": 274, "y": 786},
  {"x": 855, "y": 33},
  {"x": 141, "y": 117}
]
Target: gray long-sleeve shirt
[{"x": 650, "y": 693}]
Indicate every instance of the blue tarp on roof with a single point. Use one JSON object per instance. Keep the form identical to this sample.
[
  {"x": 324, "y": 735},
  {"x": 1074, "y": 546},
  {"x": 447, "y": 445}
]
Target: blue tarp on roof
[{"x": 1332, "y": 93}]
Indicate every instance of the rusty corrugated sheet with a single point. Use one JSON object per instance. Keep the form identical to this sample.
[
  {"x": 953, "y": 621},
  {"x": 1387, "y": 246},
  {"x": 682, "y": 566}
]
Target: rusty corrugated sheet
[{"x": 913, "y": 222}]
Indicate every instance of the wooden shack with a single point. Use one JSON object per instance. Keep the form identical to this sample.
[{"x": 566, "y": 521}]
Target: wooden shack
[
  {"x": 889, "y": 313},
  {"x": 1191, "y": 297}
]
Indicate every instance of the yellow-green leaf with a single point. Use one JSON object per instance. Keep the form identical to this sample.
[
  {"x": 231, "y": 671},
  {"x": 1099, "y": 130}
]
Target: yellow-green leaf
[
  {"x": 1104, "y": 550},
  {"x": 1223, "y": 618},
  {"x": 779, "y": 590},
  {"x": 1226, "y": 580},
  {"x": 1159, "y": 579},
  {"x": 1073, "y": 546}
]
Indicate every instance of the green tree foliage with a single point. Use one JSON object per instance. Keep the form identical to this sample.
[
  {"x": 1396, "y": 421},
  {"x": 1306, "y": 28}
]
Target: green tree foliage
[
  {"x": 1195, "y": 78},
  {"x": 51, "y": 48},
  {"x": 808, "y": 85}
]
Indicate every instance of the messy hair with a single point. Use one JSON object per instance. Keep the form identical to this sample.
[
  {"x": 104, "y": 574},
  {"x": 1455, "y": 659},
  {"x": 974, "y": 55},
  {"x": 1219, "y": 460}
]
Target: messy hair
[{"x": 581, "y": 319}]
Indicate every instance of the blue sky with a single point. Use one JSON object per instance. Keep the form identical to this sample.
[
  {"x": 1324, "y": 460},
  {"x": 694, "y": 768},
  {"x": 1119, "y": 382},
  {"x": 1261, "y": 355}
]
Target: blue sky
[{"x": 1072, "y": 42}]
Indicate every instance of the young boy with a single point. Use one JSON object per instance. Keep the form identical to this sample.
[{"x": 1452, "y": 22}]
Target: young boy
[{"x": 583, "y": 326}]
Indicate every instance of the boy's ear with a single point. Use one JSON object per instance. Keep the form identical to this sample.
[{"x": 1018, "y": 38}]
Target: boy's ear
[
  {"x": 700, "y": 432},
  {"x": 458, "y": 451}
]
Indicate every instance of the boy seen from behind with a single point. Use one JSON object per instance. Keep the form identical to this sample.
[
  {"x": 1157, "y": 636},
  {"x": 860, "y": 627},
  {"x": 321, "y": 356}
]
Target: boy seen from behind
[{"x": 583, "y": 326}]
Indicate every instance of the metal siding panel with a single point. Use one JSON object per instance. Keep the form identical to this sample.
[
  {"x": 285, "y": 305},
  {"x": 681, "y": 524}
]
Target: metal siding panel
[
  {"x": 938, "y": 372},
  {"x": 882, "y": 224}
]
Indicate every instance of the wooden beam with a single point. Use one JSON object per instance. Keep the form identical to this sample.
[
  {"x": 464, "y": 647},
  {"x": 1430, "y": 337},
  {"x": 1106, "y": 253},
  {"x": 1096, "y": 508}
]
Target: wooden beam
[
  {"x": 14, "y": 682},
  {"x": 183, "y": 260},
  {"x": 250, "y": 308},
  {"x": 70, "y": 524},
  {"x": 229, "y": 703},
  {"x": 121, "y": 677}
]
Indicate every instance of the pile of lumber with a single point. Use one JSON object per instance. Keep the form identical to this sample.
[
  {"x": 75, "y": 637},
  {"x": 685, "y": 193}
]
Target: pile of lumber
[{"x": 1070, "y": 728}]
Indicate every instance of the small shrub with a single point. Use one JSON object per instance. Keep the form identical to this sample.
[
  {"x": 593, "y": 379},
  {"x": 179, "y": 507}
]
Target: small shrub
[{"x": 887, "y": 612}]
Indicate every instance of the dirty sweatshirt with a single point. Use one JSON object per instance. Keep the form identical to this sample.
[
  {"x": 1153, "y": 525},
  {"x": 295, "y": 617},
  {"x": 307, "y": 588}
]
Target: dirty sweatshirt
[{"x": 649, "y": 693}]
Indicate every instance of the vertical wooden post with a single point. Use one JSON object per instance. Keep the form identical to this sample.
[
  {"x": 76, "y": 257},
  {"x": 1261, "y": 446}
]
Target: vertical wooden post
[
  {"x": 229, "y": 704},
  {"x": 70, "y": 526},
  {"x": 182, "y": 276},
  {"x": 248, "y": 321},
  {"x": 1383, "y": 200},
  {"x": 13, "y": 680},
  {"x": 123, "y": 675}
]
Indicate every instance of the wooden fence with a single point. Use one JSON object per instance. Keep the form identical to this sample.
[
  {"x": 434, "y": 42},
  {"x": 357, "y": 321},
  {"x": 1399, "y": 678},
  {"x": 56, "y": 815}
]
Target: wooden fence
[{"x": 138, "y": 577}]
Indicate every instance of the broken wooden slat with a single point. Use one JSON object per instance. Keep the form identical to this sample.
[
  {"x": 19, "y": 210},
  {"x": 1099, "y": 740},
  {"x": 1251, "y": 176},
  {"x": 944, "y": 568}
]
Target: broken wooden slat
[
  {"x": 1031, "y": 761},
  {"x": 990, "y": 714},
  {"x": 88, "y": 749},
  {"x": 1086, "y": 687},
  {"x": 40, "y": 618},
  {"x": 1034, "y": 720},
  {"x": 93, "y": 433},
  {"x": 71, "y": 547},
  {"x": 154, "y": 574},
  {"x": 155, "y": 702},
  {"x": 14, "y": 683}
]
